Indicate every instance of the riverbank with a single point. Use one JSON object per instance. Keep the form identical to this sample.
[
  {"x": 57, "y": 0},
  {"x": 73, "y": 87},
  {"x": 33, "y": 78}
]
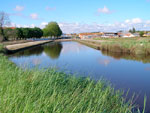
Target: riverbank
[
  {"x": 134, "y": 46},
  {"x": 52, "y": 91},
  {"x": 17, "y": 47}
]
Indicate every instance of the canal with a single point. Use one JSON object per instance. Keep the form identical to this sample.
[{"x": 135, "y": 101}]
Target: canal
[{"x": 125, "y": 72}]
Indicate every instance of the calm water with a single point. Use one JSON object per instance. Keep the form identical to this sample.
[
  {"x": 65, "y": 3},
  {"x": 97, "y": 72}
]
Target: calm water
[{"x": 124, "y": 71}]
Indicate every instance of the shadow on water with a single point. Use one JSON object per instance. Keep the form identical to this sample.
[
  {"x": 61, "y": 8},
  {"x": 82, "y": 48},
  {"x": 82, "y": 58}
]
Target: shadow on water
[
  {"x": 118, "y": 56},
  {"x": 29, "y": 52},
  {"x": 52, "y": 50}
]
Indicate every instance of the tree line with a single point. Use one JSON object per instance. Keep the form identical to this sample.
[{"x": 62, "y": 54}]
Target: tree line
[
  {"x": 22, "y": 33},
  {"x": 9, "y": 33}
]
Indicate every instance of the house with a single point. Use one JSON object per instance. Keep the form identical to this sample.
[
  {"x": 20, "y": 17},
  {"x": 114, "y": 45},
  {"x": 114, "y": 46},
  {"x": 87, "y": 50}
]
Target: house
[
  {"x": 147, "y": 34},
  {"x": 136, "y": 34},
  {"x": 90, "y": 35},
  {"x": 109, "y": 35},
  {"x": 125, "y": 34}
]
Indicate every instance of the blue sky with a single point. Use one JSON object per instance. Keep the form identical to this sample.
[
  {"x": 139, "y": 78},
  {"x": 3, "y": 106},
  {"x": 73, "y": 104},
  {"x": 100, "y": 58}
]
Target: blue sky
[{"x": 79, "y": 15}]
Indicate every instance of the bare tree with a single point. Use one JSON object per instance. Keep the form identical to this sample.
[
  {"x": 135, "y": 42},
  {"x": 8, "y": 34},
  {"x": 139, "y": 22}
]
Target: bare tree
[{"x": 4, "y": 20}]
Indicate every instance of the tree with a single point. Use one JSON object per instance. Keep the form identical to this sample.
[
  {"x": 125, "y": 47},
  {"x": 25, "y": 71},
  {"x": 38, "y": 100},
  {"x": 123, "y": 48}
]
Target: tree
[
  {"x": 10, "y": 33},
  {"x": 132, "y": 30},
  {"x": 37, "y": 32},
  {"x": 19, "y": 33},
  {"x": 141, "y": 33},
  {"x": 4, "y": 20},
  {"x": 52, "y": 29}
]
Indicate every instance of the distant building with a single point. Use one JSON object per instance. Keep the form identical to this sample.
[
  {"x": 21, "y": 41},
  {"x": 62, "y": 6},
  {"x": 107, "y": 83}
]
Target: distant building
[
  {"x": 147, "y": 34},
  {"x": 90, "y": 35},
  {"x": 125, "y": 34},
  {"x": 109, "y": 35},
  {"x": 10, "y": 27},
  {"x": 136, "y": 34}
]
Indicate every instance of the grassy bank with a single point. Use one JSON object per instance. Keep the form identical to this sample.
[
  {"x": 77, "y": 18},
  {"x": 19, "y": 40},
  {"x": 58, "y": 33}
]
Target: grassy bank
[
  {"x": 134, "y": 46},
  {"x": 49, "y": 91}
]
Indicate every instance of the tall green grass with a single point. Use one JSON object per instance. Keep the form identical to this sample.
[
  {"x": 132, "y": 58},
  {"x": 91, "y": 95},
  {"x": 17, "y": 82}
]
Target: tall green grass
[{"x": 38, "y": 91}]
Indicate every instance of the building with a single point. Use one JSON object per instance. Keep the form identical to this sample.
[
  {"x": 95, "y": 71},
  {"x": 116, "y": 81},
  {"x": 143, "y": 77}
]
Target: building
[
  {"x": 90, "y": 35},
  {"x": 147, "y": 34},
  {"x": 109, "y": 35},
  {"x": 136, "y": 34},
  {"x": 125, "y": 34}
]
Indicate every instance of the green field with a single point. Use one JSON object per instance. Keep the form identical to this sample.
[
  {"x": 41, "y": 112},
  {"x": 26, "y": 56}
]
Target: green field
[{"x": 50, "y": 91}]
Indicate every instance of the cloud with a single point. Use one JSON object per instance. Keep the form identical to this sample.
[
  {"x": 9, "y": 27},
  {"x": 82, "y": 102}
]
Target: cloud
[
  {"x": 76, "y": 27},
  {"x": 43, "y": 24},
  {"x": 133, "y": 21},
  {"x": 138, "y": 23},
  {"x": 19, "y": 8},
  {"x": 50, "y": 8},
  {"x": 34, "y": 16},
  {"x": 104, "y": 10}
]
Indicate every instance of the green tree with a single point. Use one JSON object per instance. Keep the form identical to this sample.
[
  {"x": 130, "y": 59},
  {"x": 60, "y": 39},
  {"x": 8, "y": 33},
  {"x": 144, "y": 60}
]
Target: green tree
[
  {"x": 4, "y": 20},
  {"x": 52, "y": 29},
  {"x": 10, "y": 33},
  {"x": 141, "y": 33},
  {"x": 37, "y": 32},
  {"x": 26, "y": 33},
  {"x": 19, "y": 33},
  {"x": 133, "y": 30}
]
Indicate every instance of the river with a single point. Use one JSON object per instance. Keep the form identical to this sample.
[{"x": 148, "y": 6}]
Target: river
[{"x": 125, "y": 72}]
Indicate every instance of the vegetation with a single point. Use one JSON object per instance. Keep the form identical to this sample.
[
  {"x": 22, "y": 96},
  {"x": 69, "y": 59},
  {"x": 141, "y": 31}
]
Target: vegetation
[
  {"x": 12, "y": 33},
  {"x": 132, "y": 30},
  {"x": 52, "y": 29},
  {"x": 141, "y": 33},
  {"x": 135, "y": 46},
  {"x": 22, "y": 33},
  {"x": 4, "y": 20},
  {"x": 51, "y": 91}
]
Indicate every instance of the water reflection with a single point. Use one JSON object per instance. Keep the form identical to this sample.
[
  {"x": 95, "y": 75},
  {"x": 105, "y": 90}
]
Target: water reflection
[
  {"x": 53, "y": 50},
  {"x": 118, "y": 56},
  {"x": 32, "y": 51}
]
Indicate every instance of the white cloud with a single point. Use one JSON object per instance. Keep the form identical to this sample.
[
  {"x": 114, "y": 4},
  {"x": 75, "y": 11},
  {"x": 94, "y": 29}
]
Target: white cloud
[
  {"x": 34, "y": 16},
  {"x": 138, "y": 23},
  {"x": 50, "y": 8},
  {"x": 127, "y": 21},
  {"x": 104, "y": 10},
  {"x": 43, "y": 24},
  {"x": 133, "y": 21},
  {"x": 19, "y": 8},
  {"x": 136, "y": 20},
  {"x": 76, "y": 27}
]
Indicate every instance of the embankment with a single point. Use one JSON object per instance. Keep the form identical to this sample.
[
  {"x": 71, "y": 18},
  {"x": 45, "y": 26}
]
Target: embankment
[
  {"x": 130, "y": 47},
  {"x": 21, "y": 46}
]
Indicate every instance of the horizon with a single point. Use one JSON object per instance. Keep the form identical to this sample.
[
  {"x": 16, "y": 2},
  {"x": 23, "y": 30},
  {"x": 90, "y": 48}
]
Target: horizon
[{"x": 77, "y": 16}]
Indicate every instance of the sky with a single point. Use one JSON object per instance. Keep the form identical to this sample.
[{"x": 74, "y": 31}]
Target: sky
[{"x": 75, "y": 16}]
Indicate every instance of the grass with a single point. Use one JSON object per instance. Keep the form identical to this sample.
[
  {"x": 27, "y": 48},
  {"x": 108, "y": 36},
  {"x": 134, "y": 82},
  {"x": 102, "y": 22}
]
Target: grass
[
  {"x": 49, "y": 91},
  {"x": 135, "y": 46}
]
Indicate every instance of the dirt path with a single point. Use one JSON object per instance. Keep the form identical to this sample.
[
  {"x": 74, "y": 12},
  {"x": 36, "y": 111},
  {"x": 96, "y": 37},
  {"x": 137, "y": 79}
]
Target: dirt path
[{"x": 16, "y": 47}]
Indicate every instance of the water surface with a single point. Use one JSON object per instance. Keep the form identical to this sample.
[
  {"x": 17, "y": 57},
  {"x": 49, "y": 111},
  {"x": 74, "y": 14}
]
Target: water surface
[{"x": 123, "y": 71}]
